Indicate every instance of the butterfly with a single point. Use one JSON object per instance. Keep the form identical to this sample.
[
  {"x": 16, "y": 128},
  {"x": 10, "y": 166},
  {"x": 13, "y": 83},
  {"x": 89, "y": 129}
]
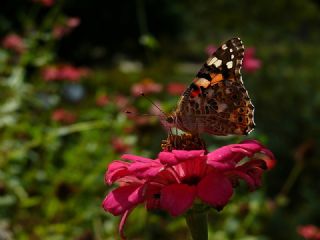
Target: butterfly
[{"x": 216, "y": 102}]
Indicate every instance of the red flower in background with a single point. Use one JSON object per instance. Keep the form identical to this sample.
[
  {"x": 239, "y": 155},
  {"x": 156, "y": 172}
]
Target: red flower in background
[
  {"x": 210, "y": 49},
  {"x": 63, "y": 116},
  {"x": 14, "y": 42},
  {"x": 46, "y": 3},
  {"x": 73, "y": 22},
  {"x": 102, "y": 100},
  {"x": 61, "y": 30},
  {"x": 176, "y": 179},
  {"x": 146, "y": 86},
  {"x": 176, "y": 88},
  {"x": 309, "y": 232},
  {"x": 119, "y": 145},
  {"x": 121, "y": 101},
  {"x": 250, "y": 63},
  {"x": 64, "y": 72}
]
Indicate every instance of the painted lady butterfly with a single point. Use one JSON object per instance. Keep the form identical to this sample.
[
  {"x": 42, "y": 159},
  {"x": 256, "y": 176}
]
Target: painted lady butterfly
[{"x": 216, "y": 102}]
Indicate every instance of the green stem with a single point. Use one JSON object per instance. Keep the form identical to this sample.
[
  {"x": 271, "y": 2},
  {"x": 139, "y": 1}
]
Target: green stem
[
  {"x": 293, "y": 176},
  {"x": 142, "y": 18},
  {"x": 198, "y": 224}
]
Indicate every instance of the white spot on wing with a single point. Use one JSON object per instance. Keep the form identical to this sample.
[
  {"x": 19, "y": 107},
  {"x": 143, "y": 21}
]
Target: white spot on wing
[
  {"x": 224, "y": 47},
  {"x": 232, "y": 56},
  {"x": 231, "y": 50},
  {"x": 229, "y": 64},
  {"x": 202, "y": 82},
  {"x": 217, "y": 63},
  {"x": 211, "y": 61}
]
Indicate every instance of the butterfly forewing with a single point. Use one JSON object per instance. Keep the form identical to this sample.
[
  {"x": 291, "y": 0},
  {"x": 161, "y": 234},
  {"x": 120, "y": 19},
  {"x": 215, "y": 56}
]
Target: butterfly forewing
[{"x": 217, "y": 102}]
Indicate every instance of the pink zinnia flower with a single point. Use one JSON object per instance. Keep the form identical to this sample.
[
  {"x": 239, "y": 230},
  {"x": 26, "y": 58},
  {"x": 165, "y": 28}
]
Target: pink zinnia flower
[
  {"x": 176, "y": 88},
  {"x": 73, "y": 22},
  {"x": 63, "y": 116},
  {"x": 46, "y": 3},
  {"x": 174, "y": 180},
  {"x": 72, "y": 73},
  {"x": 102, "y": 100},
  {"x": 146, "y": 86},
  {"x": 14, "y": 42},
  {"x": 61, "y": 30},
  {"x": 309, "y": 232},
  {"x": 119, "y": 145},
  {"x": 64, "y": 72},
  {"x": 210, "y": 49},
  {"x": 250, "y": 63},
  {"x": 121, "y": 101}
]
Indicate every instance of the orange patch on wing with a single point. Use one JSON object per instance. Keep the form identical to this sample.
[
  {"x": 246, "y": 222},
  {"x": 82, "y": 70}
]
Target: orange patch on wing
[{"x": 216, "y": 78}]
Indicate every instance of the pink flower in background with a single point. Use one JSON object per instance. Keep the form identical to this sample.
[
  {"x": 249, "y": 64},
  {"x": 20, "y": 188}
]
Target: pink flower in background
[
  {"x": 61, "y": 30},
  {"x": 63, "y": 116},
  {"x": 14, "y": 42},
  {"x": 309, "y": 232},
  {"x": 73, "y": 22},
  {"x": 119, "y": 145},
  {"x": 174, "y": 180},
  {"x": 146, "y": 86},
  {"x": 64, "y": 72},
  {"x": 250, "y": 62},
  {"x": 72, "y": 73},
  {"x": 50, "y": 73},
  {"x": 176, "y": 88},
  {"x": 121, "y": 101},
  {"x": 46, "y": 3},
  {"x": 210, "y": 49},
  {"x": 102, "y": 100}
]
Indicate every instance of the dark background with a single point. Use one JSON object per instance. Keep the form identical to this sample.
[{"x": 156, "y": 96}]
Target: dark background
[{"x": 51, "y": 173}]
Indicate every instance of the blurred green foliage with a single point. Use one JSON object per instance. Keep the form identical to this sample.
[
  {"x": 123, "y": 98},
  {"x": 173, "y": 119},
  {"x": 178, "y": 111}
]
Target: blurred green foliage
[{"x": 52, "y": 164}]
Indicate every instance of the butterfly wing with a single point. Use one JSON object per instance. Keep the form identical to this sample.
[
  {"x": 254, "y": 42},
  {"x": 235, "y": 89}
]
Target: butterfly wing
[{"x": 217, "y": 102}]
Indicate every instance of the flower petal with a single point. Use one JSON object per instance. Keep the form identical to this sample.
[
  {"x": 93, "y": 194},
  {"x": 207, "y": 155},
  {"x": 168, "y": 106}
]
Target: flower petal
[
  {"x": 123, "y": 198},
  {"x": 222, "y": 158},
  {"x": 116, "y": 170},
  {"x": 167, "y": 158},
  {"x": 177, "y": 198},
  {"x": 179, "y": 156},
  {"x": 184, "y": 155},
  {"x": 251, "y": 172},
  {"x": 215, "y": 189},
  {"x": 228, "y": 156},
  {"x": 146, "y": 169},
  {"x": 249, "y": 145},
  {"x": 192, "y": 168},
  {"x": 134, "y": 158}
]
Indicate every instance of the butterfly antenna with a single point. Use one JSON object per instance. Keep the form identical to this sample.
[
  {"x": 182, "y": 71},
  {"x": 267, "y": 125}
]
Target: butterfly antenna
[
  {"x": 138, "y": 114},
  {"x": 155, "y": 105}
]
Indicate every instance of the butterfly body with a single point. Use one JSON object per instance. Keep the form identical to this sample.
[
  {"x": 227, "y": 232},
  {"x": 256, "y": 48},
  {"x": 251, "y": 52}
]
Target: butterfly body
[{"x": 216, "y": 102}]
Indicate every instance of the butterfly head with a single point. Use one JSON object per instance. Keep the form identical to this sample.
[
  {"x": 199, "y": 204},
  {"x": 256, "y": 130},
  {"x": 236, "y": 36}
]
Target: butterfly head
[{"x": 169, "y": 121}]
